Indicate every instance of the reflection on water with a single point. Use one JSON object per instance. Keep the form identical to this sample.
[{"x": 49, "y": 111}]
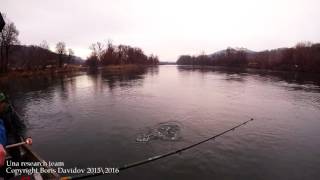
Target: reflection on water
[
  {"x": 105, "y": 113},
  {"x": 238, "y": 74}
]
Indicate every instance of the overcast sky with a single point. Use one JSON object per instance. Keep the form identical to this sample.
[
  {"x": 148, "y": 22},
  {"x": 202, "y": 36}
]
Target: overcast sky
[{"x": 167, "y": 28}]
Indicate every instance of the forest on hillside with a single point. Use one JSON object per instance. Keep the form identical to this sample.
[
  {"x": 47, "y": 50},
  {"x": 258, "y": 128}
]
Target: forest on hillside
[
  {"x": 304, "y": 57},
  {"x": 15, "y": 56}
]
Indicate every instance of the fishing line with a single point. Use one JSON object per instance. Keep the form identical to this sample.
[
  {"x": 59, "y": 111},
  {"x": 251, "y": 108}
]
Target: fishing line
[{"x": 154, "y": 158}]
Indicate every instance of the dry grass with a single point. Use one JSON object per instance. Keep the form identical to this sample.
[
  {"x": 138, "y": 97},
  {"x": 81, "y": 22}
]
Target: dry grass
[
  {"x": 121, "y": 67},
  {"x": 32, "y": 73}
]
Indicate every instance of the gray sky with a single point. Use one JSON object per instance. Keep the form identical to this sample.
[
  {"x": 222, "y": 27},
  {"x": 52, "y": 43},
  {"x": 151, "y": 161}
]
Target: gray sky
[{"x": 167, "y": 28}]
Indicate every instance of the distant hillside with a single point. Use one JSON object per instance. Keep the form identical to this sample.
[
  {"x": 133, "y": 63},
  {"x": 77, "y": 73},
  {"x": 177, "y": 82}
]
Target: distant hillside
[
  {"x": 35, "y": 57},
  {"x": 304, "y": 57},
  {"x": 224, "y": 51}
]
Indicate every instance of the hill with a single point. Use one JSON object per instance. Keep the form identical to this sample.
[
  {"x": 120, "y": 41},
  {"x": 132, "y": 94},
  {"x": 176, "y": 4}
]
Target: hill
[
  {"x": 304, "y": 57},
  {"x": 35, "y": 57}
]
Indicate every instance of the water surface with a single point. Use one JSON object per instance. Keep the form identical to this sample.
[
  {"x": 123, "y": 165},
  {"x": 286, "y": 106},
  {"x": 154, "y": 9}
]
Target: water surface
[{"x": 94, "y": 119}]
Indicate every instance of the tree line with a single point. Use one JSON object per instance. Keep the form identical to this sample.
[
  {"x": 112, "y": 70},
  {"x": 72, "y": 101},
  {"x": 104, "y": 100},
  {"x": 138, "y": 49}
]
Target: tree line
[
  {"x": 13, "y": 55},
  {"x": 304, "y": 57},
  {"x": 109, "y": 54},
  {"x": 39, "y": 57}
]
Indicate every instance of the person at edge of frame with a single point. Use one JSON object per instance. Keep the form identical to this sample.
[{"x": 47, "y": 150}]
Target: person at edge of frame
[{"x": 12, "y": 129}]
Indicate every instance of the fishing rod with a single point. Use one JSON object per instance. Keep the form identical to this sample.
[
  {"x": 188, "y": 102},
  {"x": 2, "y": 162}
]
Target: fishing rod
[
  {"x": 15, "y": 145},
  {"x": 19, "y": 143},
  {"x": 154, "y": 158}
]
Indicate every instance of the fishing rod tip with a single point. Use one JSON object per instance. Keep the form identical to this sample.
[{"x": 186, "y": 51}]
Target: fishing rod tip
[{"x": 251, "y": 119}]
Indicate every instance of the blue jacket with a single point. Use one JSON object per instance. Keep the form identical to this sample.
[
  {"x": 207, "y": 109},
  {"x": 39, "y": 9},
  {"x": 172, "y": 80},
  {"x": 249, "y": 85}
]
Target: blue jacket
[{"x": 3, "y": 134}]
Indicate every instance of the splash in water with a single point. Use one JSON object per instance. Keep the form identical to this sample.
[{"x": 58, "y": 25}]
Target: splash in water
[{"x": 169, "y": 131}]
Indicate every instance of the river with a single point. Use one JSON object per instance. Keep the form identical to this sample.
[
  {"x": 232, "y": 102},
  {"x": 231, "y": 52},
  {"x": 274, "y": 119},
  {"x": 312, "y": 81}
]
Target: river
[{"x": 94, "y": 120}]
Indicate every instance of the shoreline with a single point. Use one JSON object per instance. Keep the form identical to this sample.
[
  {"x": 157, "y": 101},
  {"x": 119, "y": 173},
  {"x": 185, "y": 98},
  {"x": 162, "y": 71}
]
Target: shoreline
[
  {"x": 246, "y": 68},
  {"x": 67, "y": 70},
  {"x": 123, "y": 68},
  {"x": 31, "y": 73}
]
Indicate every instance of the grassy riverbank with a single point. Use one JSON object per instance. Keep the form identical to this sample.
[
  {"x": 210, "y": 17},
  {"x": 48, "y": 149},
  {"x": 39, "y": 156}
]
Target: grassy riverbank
[
  {"x": 67, "y": 70},
  {"x": 122, "y": 68},
  {"x": 50, "y": 71}
]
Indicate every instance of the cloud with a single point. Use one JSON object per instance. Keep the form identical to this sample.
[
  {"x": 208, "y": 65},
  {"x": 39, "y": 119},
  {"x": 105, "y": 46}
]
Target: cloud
[{"x": 167, "y": 28}]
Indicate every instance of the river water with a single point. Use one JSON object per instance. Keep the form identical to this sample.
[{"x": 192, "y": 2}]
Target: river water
[{"x": 107, "y": 119}]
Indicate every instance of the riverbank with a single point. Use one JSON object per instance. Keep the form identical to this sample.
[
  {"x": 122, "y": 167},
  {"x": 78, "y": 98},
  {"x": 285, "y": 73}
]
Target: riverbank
[
  {"x": 123, "y": 68},
  {"x": 49, "y": 71},
  {"x": 68, "y": 70},
  {"x": 245, "y": 68}
]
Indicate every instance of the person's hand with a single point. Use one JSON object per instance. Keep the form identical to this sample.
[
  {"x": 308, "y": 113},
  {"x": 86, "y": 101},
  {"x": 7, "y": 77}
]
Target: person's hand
[
  {"x": 3, "y": 154},
  {"x": 29, "y": 141}
]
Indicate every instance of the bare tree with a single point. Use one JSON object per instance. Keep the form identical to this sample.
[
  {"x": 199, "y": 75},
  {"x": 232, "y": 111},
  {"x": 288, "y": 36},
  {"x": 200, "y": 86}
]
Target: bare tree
[
  {"x": 44, "y": 56},
  {"x": 44, "y": 45},
  {"x": 8, "y": 38},
  {"x": 2, "y": 23},
  {"x": 97, "y": 50},
  {"x": 110, "y": 54},
  {"x": 70, "y": 55},
  {"x": 303, "y": 44},
  {"x": 61, "y": 50}
]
